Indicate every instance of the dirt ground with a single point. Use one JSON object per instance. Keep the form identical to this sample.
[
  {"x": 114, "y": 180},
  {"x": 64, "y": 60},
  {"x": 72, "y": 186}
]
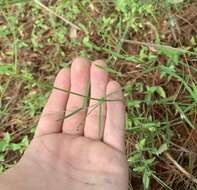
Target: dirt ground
[{"x": 178, "y": 165}]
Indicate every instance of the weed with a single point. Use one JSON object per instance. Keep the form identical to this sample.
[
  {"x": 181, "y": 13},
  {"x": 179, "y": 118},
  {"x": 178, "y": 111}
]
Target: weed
[
  {"x": 6, "y": 145},
  {"x": 138, "y": 39}
]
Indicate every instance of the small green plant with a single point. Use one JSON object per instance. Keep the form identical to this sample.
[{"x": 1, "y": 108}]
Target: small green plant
[
  {"x": 159, "y": 81},
  {"x": 6, "y": 145},
  {"x": 139, "y": 161},
  {"x": 152, "y": 90},
  {"x": 33, "y": 103},
  {"x": 134, "y": 12}
]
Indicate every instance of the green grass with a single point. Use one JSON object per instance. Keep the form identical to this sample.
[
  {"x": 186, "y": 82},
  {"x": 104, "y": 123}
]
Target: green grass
[{"x": 159, "y": 76}]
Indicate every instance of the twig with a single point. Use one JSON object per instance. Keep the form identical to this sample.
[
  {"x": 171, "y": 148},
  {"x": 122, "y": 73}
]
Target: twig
[
  {"x": 188, "y": 22},
  {"x": 180, "y": 168},
  {"x": 158, "y": 46},
  {"x": 55, "y": 14}
]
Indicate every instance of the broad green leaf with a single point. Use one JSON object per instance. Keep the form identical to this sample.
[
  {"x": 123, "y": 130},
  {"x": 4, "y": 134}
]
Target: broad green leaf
[
  {"x": 139, "y": 169},
  {"x": 133, "y": 103},
  {"x": 134, "y": 158},
  {"x": 21, "y": 145},
  {"x": 161, "y": 91},
  {"x": 7, "y": 69},
  {"x": 15, "y": 146},
  {"x": 162, "y": 149},
  {"x": 141, "y": 144},
  {"x": 2, "y": 157},
  {"x": 4, "y": 143},
  {"x": 146, "y": 180},
  {"x": 149, "y": 161}
]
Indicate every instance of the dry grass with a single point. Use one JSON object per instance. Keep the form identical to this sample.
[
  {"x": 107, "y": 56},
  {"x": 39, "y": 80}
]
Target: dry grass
[{"x": 36, "y": 41}]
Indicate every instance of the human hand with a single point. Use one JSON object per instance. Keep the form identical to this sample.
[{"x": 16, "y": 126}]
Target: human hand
[{"x": 82, "y": 147}]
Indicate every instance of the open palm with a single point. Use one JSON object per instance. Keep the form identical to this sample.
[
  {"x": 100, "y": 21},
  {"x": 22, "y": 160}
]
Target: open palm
[{"x": 82, "y": 148}]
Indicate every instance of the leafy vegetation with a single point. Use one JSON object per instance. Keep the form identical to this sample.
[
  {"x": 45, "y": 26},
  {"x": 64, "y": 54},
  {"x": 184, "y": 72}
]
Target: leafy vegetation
[{"x": 150, "y": 48}]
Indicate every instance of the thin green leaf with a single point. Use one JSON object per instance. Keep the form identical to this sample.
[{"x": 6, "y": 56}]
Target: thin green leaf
[
  {"x": 73, "y": 113},
  {"x": 89, "y": 98},
  {"x": 100, "y": 119},
  {"x": 109, "y": 70}
]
